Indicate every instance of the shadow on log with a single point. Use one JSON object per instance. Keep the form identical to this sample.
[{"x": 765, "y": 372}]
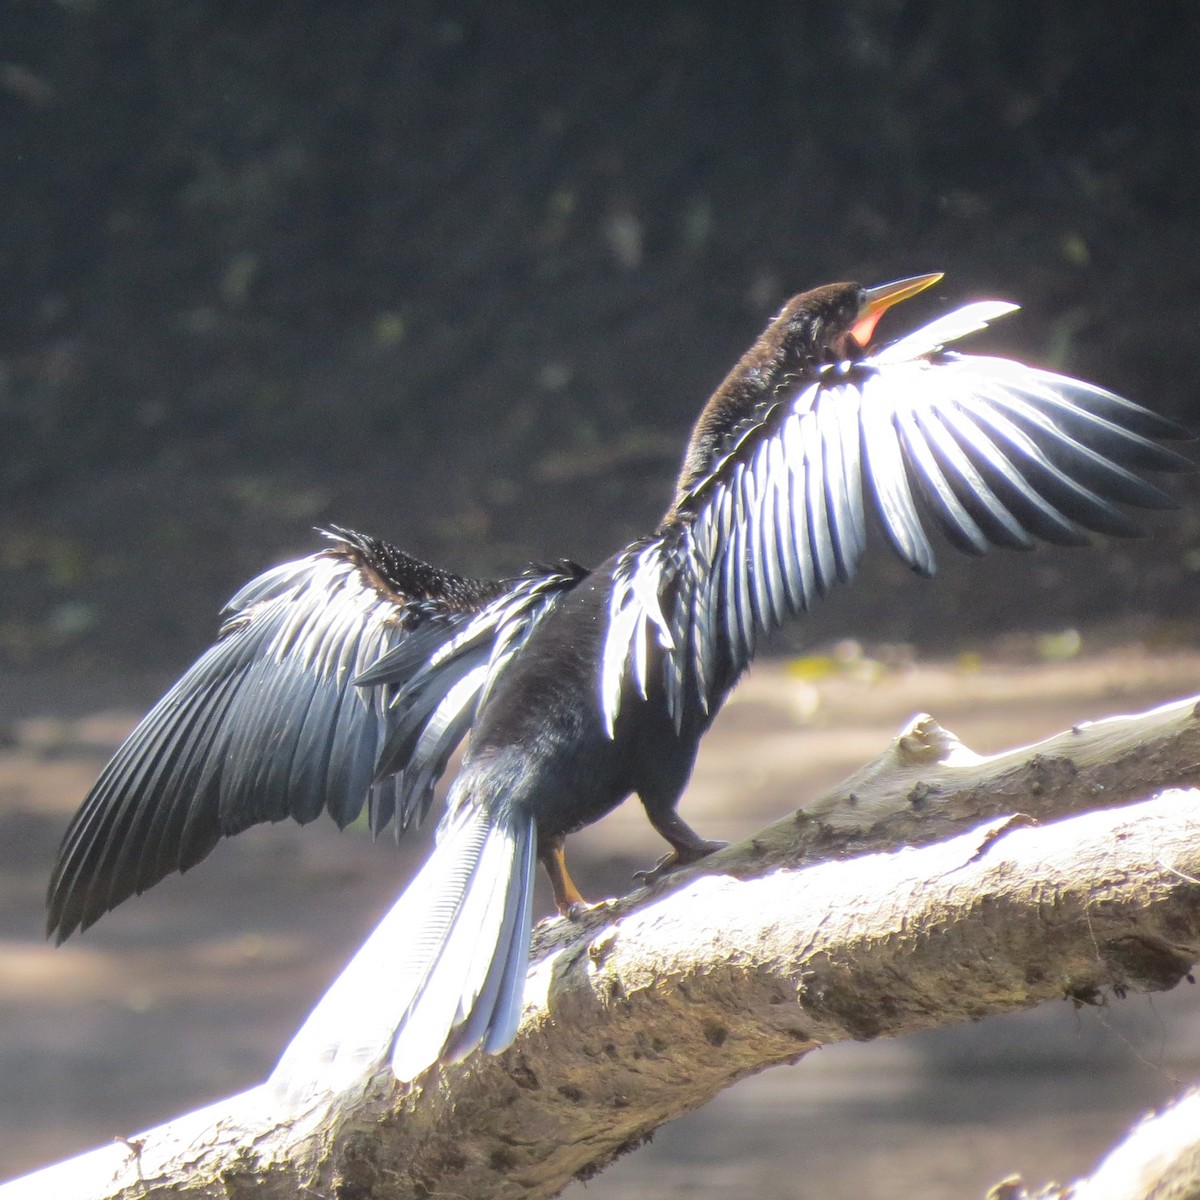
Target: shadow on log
[{"x": 934, "y": 886}]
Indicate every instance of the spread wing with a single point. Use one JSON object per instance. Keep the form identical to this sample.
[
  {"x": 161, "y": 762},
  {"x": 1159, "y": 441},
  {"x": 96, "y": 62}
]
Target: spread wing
[
  {"x": 994, "y": 452},
  {"x": 275, "y": 720}
]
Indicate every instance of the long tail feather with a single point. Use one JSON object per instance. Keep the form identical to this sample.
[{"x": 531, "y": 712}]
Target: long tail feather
[{"x": 442, "y": 973}]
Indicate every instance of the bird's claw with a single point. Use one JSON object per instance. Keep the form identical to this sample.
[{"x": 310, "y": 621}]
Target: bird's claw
[{"x": 678, "y": 858}]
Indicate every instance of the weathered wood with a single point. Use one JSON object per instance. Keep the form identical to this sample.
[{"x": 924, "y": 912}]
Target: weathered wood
[
  {"x": 911, "y": 896},
  {"x": 1158, "y": 1160}
]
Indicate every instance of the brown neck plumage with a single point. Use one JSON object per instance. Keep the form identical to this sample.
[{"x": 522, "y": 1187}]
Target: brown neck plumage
[{"x": 807, "y": 330}]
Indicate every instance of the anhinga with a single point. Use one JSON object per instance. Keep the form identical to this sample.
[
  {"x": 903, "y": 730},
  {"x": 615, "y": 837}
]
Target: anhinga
[{"x": 351, "y": 675}]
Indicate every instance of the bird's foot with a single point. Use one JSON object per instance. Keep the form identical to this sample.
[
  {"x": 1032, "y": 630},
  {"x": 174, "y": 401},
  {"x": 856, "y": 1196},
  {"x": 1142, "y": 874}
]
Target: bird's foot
[
  {"x": 582, "y": 908},
  {"x": 681, "y": 856}
]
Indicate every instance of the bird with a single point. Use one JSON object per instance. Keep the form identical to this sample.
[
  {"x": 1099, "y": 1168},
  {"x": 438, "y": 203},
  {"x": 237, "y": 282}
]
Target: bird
[{"x": 348, "y": 678}]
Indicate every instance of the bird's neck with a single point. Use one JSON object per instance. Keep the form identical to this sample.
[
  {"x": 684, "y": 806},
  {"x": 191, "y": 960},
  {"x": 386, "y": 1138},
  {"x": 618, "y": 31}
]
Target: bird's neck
[{"x": 782, "y": 352}]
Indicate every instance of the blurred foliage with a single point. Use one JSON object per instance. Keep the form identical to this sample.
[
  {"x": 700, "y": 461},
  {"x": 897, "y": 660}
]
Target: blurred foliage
[{"x": 424, "y": 261}]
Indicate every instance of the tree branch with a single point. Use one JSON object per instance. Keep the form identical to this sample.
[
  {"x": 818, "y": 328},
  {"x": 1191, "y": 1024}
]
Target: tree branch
[
  {"x": 1160, "y": 1158},
  {"x": 829, "y": 925}
]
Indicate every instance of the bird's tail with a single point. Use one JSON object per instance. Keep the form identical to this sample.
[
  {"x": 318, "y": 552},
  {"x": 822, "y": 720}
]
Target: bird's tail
[{"x": 442, "y": 973}]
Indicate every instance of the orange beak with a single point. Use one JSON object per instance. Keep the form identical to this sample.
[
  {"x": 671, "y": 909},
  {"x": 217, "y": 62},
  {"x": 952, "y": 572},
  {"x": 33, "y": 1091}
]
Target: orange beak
[{"x": 878, "y": 300}]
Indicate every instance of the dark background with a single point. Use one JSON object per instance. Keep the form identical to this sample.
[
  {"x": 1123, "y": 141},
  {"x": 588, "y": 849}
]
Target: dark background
[{"x": 462, "y": 274}]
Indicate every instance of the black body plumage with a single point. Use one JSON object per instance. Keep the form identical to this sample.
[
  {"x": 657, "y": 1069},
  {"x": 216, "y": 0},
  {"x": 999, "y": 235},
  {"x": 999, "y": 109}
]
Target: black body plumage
[{"x": 349, "y": 677}]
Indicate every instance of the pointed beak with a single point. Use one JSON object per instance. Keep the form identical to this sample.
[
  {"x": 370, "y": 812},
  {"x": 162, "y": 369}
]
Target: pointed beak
[{"x": 878, "y": 300}]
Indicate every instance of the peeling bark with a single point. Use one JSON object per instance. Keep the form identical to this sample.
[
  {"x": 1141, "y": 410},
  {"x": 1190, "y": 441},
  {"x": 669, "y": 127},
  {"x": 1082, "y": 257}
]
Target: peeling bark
[{"x": 934, "y": 886}]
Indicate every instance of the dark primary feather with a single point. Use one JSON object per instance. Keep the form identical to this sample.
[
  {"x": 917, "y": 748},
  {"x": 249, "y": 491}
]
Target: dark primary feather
[{"x": 269, "y": 723}]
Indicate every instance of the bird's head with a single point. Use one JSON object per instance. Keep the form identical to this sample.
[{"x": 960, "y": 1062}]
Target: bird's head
[{"x": 836, "y": 322}]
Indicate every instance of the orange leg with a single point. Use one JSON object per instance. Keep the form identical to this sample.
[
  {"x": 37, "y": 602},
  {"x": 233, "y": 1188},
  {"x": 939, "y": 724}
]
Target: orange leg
[{"x": 567, "y": 897}]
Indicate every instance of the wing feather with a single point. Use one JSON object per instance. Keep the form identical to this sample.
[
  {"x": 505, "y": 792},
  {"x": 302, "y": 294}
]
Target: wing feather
[
  {"x": 847, "y": 527},
  {"x": 883, "y": 453},
  {"x": 1035, "y": 513},
  {"x": 271, "y": 721},
  {"x": 986, "y": 509},
  {"x": 993, "y": 451}
]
